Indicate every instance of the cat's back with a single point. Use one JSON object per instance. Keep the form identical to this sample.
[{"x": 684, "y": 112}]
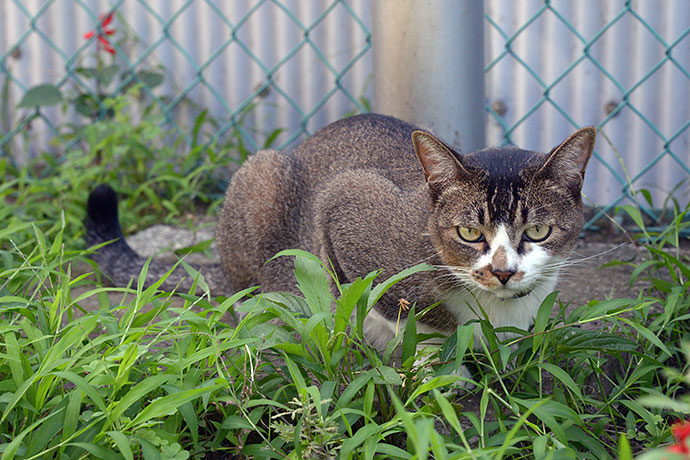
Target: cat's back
[{"x": 362, "y": 142}]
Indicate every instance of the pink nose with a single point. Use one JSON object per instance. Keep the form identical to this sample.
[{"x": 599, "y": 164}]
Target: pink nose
[{"x": 503, "y": 275}]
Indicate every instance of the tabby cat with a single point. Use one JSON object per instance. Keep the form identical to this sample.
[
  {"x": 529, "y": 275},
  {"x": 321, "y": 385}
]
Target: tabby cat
[{"x": 372, "y": 192}]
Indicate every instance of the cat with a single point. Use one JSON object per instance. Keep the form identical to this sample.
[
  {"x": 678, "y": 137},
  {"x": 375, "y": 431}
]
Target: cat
[{"x": 373, "y": 192}]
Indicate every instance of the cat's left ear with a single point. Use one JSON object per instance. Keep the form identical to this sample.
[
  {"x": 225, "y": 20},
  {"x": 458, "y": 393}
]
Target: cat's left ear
[{"x": 572, "y": 156}]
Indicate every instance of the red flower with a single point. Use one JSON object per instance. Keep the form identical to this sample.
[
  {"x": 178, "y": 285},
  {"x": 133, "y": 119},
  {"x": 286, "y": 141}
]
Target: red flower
[
  {"x": 105, "y": 20},
  {"x": 681, "y": 432}
]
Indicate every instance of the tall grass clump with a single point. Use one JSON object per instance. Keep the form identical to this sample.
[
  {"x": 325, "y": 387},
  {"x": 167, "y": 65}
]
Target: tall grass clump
[{"x": 90, "y": 371}]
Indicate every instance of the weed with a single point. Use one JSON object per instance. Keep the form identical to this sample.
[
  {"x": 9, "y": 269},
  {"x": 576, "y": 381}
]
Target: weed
[{"x": 88, "y": 371}]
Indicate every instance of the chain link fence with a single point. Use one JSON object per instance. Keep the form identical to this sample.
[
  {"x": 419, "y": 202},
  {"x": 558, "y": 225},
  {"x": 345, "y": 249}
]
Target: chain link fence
[
  {"x": 267, "y": 69},
  {"x": 275, "y": 71},
  {"x": 623, "y": 66}
]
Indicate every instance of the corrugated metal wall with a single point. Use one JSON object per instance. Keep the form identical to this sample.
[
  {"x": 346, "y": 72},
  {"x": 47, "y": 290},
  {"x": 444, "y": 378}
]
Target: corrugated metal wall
[
  {"x": 632, "y": 55},
  {"x": 215, "y": 54},
  {"x": 550, "y": 64}
]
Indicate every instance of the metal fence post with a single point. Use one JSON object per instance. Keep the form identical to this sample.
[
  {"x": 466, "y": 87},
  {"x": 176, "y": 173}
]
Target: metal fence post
[{"x": 429, "y": 66}]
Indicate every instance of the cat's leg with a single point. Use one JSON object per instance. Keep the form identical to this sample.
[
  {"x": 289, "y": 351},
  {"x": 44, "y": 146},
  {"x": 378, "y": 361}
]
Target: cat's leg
[
  {"x": 258, "y": 221},
  {"x": 364, "y": 223}
]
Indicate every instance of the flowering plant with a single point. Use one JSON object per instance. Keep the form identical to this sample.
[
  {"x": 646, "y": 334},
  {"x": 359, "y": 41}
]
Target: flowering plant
[
  {"x": 679, "y": 450},
  {"x": 681, "y": 433},
  {"x": 89, "y": 102},
  {"x": 103, "y": 32}
]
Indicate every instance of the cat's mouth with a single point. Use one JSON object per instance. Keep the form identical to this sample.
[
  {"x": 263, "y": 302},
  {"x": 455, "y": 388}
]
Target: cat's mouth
[
  {"x": 521, "y": 294},
  {"x": 507, "y": 293}
]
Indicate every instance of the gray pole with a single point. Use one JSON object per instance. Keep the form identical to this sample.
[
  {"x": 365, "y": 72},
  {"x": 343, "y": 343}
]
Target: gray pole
[{"x": 429, "y": 66}]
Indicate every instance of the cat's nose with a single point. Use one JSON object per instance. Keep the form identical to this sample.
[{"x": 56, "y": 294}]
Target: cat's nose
[{"x": 503, "y": 275}]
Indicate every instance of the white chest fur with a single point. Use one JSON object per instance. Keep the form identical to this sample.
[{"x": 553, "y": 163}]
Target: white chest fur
[{"x": 518, "y": 312}]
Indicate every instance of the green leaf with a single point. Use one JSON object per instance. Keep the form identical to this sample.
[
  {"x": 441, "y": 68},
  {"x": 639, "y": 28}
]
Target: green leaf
[
  {"x": 315, "y": 320},
  {"x": 647, "y": 334},
  {"x": 449, "y": 413},
  {"x": 391, "y": 451},
  {"x": 72, "y": 414},
  {"x": 41, "y": 96},
  {"x": 149, "y": 78},
  {"x": 149, "y": 450},
  {"x": 292, "y": 348},
  {"x": 582, "y": 339},
  {"x": 136, "y": 393},
  {"x": 46, "y": 432},
  {"x": 542, "y": 318},
  {"x": 77, "y": 333},
  {"x": 465, "y": 335},
  {"x": 168, "y": 405},
  {"x": 364, "y": 433},
  {"x": 296, "y": 374},
  {"x": 563, "y": 377},
  {"x": 201, "y": 246},
  {"x": 349, "y": 298},
  {"x": 11, "y": 448},
  {"x": 271, "y": 138},
  {"x": 385, "y": 374},
  {"x": 634, "y": 213},
  {"x": 81, "y": 383},
  {"x": 409, "y": 345},
  {"x": 86, "y": 105},
  {"x": 380, "y": 289},
  {"x": 653, "y": 421},
  {"x": 548, "y": 411},
  {"x": 355, "y": 385},
  {"x": 14, "y": 358},
  {"x": 313, "y": 284},
  {"x": 97, "y": 451},
  {"x": 106, "y": 74},
  {"x": 236, "y": 422},
  {"x": 293, "y": 303},
  {"x": 122, "y": 443},
  {"x": 436, "y": 382}
]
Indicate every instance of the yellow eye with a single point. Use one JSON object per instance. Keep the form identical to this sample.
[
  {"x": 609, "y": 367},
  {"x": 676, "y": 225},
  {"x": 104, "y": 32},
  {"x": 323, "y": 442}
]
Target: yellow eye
[
  {"x": 469, "y": 234},
  {"x": 538, "y": 233}
]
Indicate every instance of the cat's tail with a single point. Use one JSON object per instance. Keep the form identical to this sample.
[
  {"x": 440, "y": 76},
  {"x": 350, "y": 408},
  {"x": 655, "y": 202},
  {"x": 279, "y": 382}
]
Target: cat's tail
[{"x": 122, "y": 265}]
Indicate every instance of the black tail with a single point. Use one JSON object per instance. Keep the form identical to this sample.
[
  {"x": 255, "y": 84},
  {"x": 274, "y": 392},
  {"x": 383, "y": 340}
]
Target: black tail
[
  {"x": 102, "y": 224},
  {"x": 119, "y": 262}
]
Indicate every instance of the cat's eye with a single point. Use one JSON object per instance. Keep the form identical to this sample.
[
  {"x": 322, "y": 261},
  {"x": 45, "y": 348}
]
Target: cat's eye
[
  {"x": 470, "y": 235},
  {"x": 538, "y": 233}
]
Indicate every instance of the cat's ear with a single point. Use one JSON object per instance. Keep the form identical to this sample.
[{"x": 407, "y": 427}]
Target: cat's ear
[
  {"x": 571, "y": 157},
  {"x": 439, "y": 163}
]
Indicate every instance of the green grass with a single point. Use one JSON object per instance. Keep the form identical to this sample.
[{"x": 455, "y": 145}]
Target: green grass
[{"x": 143, "y": 376}]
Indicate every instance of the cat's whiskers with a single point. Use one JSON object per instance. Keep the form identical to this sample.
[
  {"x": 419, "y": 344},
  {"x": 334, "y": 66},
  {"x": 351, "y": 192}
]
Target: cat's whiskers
[
  {"x": 565, "y": 264},
  {"x": 459, "y": 275},
  {"x": 422, "y": 260}
]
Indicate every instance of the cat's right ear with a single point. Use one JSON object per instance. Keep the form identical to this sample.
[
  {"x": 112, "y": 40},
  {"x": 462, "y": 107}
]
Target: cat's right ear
[{"x": 438, "y": 162}]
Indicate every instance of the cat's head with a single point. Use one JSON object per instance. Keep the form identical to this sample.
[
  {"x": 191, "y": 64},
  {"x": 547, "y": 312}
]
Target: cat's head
[{"x": 503, "y": 220}]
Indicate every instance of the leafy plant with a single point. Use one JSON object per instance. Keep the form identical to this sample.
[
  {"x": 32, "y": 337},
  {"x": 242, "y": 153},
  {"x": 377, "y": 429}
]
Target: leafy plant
[
  {"x": 89, "y": 371},
  {"x": 89, "y": 100}
]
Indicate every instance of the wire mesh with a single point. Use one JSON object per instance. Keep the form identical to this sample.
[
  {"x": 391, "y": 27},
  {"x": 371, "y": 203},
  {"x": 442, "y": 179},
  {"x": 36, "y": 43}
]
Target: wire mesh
[
  {"x": 295, "y": 65},
  {"x": 622, "y": 66},
  {"x": 244, "y": 73}
]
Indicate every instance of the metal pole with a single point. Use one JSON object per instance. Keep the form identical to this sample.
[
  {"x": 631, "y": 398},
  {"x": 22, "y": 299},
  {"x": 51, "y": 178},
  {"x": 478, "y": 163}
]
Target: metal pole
[{"x": 429, "y": 66}]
